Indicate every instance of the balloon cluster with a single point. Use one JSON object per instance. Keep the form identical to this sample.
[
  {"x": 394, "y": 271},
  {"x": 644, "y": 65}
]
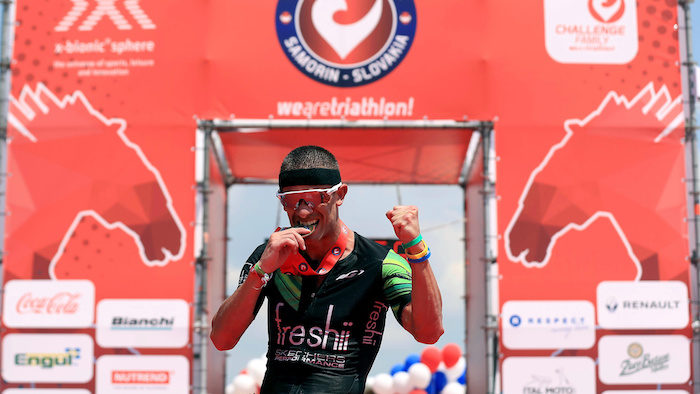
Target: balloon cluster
[
  {"x": 433, "y": 371},
  {"x": 250, "y": 379}
]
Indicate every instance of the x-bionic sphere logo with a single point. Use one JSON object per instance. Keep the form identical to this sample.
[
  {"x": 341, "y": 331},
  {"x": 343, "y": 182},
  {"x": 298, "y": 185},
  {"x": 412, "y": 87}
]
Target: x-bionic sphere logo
[{"x": 346, "y": 43}]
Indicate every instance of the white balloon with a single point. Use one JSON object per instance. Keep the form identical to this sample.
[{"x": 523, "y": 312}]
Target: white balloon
[
  {"x": 420, "y": 375},
  {"x": 256, "y": 368},
  {"x": 454, "y": 372},
  {"x": 402, "y": 382},
  {"x": 454, "y": 388},
  {"x": 229, "y": 389},
  {"x": 383, "y": 384},
  {"x": 368, "y": 385},
  {"x": 244, "y": 384}
]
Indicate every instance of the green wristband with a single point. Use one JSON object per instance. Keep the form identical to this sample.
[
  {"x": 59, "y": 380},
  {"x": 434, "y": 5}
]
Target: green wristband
[
  {"x": 259, "y": 269},
  {"x": 415, "y": 242}
]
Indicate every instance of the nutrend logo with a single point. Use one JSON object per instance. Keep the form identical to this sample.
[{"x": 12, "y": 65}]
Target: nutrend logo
[
  {"x": 345, "y": 43},
  {"x": 140, "y": 377},
  {"x": 606, "y": 11},
  {"x": 102, "y": 9}
]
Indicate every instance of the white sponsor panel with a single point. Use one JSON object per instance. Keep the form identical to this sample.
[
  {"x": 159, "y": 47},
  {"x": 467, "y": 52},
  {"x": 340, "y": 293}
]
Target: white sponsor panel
[
  {"x": 645, "y": 392},
  {"x": 45, "y": 391},
  {"x": 592, "y": 31},
  {"x": 47, "y": 358},
  {"x": 531, "y": 375},
  {"x": 643, "y": 359},
  {"x": 124, "y": 374},
  {"x": 49, "y": 303},
  {"x": 642, "y": 305},
  {"x": 145, "y": 323},
  {"x": 548, "y": 324}
]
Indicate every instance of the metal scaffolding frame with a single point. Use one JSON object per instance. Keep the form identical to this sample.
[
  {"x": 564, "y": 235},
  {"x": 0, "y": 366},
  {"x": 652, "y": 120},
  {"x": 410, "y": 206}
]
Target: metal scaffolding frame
[
  {"x": 482, "y": 141},
  {"x": 689, "y": 85}
]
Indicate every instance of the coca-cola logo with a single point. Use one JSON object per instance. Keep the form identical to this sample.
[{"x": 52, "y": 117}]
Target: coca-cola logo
[{"x": 62, "y": 303}]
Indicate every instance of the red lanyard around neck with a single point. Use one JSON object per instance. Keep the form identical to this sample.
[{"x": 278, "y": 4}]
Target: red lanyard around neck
[{"x": 296, "y": 264}]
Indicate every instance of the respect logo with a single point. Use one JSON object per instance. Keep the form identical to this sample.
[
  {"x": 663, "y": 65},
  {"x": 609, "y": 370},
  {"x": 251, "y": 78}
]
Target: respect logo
[{"x": 345, "y": 43}]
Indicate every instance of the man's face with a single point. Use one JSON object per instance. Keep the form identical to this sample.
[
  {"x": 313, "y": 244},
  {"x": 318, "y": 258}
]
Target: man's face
[{"x": 316, "y": 209}]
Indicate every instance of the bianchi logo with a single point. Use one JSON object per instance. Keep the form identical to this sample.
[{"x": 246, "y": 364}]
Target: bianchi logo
[
  {"x": 606, "y": 11},
  {"x": 640, "y": 361},
  {"x": 131, "y": 323},
  {"x": 345, "y": 43}
]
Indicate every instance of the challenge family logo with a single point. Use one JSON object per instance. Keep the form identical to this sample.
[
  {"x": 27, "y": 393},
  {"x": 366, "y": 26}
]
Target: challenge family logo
[
  {"x": 606, "y": 11},
  {"x": 345, "y": 43}
]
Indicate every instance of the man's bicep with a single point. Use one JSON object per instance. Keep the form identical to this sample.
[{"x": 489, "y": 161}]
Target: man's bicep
[{"x": 396, "y": 274}]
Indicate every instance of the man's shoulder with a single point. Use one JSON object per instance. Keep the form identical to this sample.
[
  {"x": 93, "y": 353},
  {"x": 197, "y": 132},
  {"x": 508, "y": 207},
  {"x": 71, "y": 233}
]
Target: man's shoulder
[
  {"x": 259, "y": 249},
  {"x": 368, "y": 246}
]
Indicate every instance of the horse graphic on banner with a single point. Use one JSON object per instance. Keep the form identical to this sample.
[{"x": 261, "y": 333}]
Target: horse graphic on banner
[
  {"x": 619, "y": 164},
  {"x": 75, "y": 163}
]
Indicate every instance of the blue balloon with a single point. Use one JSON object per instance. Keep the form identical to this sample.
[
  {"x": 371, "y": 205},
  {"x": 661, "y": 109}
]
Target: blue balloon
[
  {"x": 463, "y": 379},
  {"x": 397, "y": 368},
  {"x": 431, "y": 389},
  {"x": 440, "y": 380},
  {"x": 410, "y": 360}
]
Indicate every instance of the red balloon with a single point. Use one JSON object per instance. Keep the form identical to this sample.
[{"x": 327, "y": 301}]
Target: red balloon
[
  {"x": 451, "y": 354},
  {"x": 431, "y": 357},
  {"x": 417, "y": 391}
]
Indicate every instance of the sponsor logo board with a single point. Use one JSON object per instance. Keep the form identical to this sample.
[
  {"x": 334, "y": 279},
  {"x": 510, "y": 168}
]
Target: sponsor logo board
[
  {"x": 642, "y": 305},
  {"x": 645, "y": 392},
  {"x": 531, "y": 375},
  {"x": 644, "y": 359},
  {"x": 45, "y": 391},
  {"x": 120, "y": 374},
  {"x": 47, "y": 358},
  {"x": 145, "y": 323},
  {"x": 365, "y": 45},
  {"x": 591, "y": 31},
  {"x": 48, "y": 303},
  {"x": 548, "y": 324}
]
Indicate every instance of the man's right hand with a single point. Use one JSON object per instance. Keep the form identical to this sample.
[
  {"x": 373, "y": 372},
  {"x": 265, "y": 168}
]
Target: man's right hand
[{"x": 280, "y": 246}]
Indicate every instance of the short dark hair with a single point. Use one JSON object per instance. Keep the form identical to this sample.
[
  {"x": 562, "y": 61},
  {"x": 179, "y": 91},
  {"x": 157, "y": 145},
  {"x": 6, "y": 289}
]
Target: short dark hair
[{"x": 309, "y": 156}]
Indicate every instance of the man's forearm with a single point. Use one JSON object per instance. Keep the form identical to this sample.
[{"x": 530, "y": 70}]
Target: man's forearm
[
  {"x": 235, "y": 314},
  {"x": 424, "y": 313}
]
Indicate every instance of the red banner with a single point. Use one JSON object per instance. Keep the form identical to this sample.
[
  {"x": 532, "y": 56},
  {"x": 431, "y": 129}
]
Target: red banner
[
  {"x": 592, "y": 203},
  {"x": 586, "y": 97},
  {"x": 100, "y": 204}
]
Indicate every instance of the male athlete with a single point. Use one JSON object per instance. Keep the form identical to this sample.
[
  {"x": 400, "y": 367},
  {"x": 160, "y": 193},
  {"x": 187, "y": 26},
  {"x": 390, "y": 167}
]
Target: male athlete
[{"x": 328, "y": 288}]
